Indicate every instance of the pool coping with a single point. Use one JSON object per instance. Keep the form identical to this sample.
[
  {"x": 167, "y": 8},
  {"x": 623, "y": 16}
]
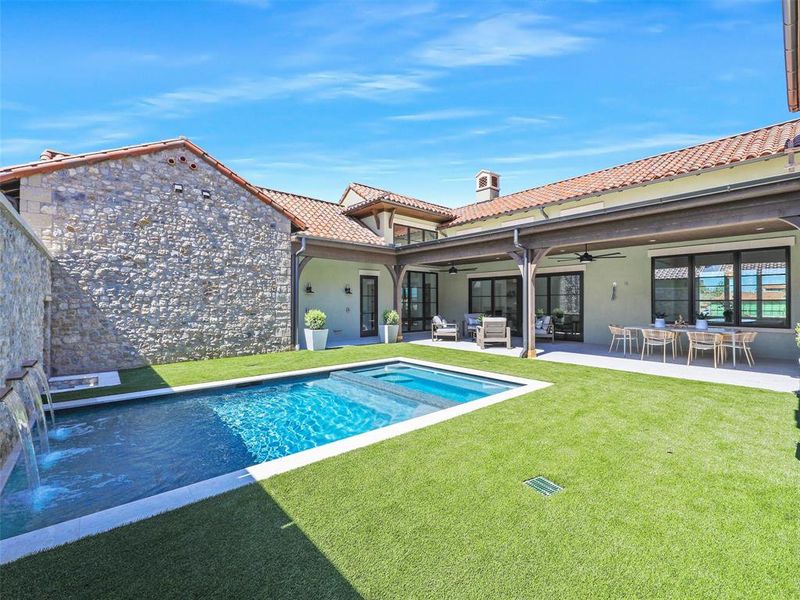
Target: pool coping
[{"x": 69, "y": 531}]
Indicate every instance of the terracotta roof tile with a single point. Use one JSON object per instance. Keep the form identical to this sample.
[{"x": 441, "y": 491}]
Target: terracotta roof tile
[
  {"x": 325, "y": 219},
  {"x": 373, "y": 194},
  {"x": 766, "y": 141}
]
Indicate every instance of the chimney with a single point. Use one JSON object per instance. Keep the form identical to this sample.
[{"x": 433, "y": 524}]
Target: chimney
[{"x": 487, "y": 186}]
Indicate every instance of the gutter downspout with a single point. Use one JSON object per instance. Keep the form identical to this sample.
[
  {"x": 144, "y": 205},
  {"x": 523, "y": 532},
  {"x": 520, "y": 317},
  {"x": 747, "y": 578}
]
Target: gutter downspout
[
  {"x": 296, "y": 293},
  {"x": 525, "y": 296}
]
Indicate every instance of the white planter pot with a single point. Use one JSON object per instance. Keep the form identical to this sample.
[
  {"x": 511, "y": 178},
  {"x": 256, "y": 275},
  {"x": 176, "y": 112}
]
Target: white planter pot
[
  {"x": 701, "y": 324},
  {"x": 661, "y": 323},
  {"x": 316, "y": 339},
  {"x": 388, "y": 333}
]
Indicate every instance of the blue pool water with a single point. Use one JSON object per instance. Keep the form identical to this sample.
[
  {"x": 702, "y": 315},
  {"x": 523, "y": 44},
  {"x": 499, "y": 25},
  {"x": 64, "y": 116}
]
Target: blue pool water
[{"x": 111, "y": 454}]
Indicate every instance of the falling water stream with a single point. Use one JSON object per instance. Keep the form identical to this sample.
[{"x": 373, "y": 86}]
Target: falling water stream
[
  {"x": 13, "y": 403},
  {"x": 38, "y": 410},
  {"x": 44, "y": 386}
]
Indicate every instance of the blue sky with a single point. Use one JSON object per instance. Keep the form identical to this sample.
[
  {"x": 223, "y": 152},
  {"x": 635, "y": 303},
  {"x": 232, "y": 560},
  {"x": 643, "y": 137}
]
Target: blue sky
[{"x": 415, "y": 96}]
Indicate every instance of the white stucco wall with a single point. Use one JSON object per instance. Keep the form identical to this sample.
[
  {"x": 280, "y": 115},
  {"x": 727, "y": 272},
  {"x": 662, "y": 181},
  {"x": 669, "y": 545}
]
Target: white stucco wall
[{"x": 328, "y": 279}]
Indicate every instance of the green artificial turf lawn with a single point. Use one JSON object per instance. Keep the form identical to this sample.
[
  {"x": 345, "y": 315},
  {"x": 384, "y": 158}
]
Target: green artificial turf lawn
[{"x": 672, "y": 489}]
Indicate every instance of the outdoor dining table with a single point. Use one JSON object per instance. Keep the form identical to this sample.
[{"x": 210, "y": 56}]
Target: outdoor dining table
[{"x": 734, "y": 333}]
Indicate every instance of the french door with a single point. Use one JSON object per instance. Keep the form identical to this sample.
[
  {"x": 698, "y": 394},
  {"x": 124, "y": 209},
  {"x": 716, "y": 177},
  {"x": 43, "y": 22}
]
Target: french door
[
  {"x": 562, "y": 291},
  {"x": 369, "y": 305},
  {"x": 497, "y": 297},
  {"x": 420, "y": 300}
]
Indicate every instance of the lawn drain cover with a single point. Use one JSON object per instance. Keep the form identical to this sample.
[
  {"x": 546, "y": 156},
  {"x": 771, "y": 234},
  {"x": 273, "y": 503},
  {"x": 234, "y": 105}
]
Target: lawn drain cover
[{"x": 543, "y": 485}]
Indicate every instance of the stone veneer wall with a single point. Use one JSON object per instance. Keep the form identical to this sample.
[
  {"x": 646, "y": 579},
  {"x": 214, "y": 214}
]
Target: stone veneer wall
[
  {"x": 24, "y": 287},
  {"x": 146, "y": 275}
]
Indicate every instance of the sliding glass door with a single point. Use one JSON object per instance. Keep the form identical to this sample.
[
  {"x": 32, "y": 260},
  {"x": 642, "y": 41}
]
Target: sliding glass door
[
  {"x": 497, "y": 297},
  {"x": 420, "y": 300},
  {"x": 562, "y": 293}
]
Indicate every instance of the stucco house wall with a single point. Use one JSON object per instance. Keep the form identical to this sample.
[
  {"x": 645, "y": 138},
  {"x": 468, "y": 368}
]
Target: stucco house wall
[
  {"x": 146, "y": 274},
  {"x": 328, "y": 279}
]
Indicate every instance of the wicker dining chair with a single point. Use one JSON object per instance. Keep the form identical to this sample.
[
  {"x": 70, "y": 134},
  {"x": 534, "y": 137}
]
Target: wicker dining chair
[
  {"x": 702, "y": 341},
  {"x": 658, "y": 338},
  {"x": 620, "y": 334},
  {"x": 743, "y": 342}
]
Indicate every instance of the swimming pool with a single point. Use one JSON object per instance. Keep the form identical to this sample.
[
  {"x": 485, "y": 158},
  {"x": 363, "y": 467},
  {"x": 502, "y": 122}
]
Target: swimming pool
[{"x": 107, "y": 455}]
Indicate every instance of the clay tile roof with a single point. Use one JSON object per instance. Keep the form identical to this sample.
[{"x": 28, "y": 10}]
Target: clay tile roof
[
  {"x": 758, "y": 143},
  {"x": 373, "y": 194},
  {"x": 53, "y": 161},
  {"x": 325, "y": 219}
]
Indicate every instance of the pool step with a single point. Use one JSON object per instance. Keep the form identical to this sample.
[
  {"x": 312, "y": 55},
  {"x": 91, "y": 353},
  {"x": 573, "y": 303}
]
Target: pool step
[{"x": 392, "y": 388}]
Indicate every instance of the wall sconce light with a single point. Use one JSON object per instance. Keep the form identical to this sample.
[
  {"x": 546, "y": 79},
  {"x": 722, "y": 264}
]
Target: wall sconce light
[
  {"x": 347, "y": 289},
  {"x": 309, "y": 289},
  {"x": 177, "y": 187},
  {"x": 613, "y": 291}
]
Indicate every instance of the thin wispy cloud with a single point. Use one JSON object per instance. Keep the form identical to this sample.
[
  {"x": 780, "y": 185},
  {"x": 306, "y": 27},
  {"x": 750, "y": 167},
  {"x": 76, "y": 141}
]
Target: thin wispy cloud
[
  {"x": 448, "y": 114},
  {"x": 500, "y": 40},
  {"x": 663, "y": 141},
  {"x": 183, "y": 102}
]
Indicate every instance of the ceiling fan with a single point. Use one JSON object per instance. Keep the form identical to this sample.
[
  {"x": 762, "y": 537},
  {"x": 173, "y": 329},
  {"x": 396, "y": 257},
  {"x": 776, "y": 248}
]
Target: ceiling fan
[
  {"x": 586, "y": 257},
  {"x": 454, "y": 270}
]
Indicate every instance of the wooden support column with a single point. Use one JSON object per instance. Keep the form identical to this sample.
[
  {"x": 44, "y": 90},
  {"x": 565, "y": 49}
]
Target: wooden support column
[
  {"x": 535, "y": 258},
  {"x": 398, "y": 273},
  {"x": 300, "y": 263}
]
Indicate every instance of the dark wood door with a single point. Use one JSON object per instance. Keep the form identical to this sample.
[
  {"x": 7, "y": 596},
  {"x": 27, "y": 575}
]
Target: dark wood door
[{"x": 369, "y": 305}]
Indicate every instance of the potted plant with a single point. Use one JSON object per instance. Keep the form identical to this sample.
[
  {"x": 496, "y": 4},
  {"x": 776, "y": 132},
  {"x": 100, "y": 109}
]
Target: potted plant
[
  {"x": 727, "y": 314},
  {"x": 539, "y": 313},
  {"x": 701, "y": 321},
  {"x": 558, "y": 313},
  {"x": 391, "y": 326},
  {"x": 316, "y": 333},
  {"x": 661, "y": 320}
]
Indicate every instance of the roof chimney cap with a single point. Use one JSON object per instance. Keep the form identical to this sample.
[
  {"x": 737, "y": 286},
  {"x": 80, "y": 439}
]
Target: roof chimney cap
[{"x": 487, "y": 185}]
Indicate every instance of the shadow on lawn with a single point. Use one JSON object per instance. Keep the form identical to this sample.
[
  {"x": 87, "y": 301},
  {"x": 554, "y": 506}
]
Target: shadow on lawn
[{"x": 238, "y": 545}]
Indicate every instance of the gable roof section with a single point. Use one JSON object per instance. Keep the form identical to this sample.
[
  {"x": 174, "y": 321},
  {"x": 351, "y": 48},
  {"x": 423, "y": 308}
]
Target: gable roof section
[
  {"x": 326, "y": 219},
  {"x": 67, "y": 161},
  {"x": 759, "y": 143},
  {"x": 373, "y": 195}
]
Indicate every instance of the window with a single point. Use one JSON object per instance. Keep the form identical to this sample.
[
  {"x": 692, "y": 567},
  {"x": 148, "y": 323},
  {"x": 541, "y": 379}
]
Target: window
[
  {"x": 671, "y": 289},
  {"x": 420, "y": 300},
  {"x": 764, "y": 284},
  {"x": 497, "y": 297},
  {"x": 564, "y": 291},
  {"x": 403, "y": 234},
  {"x": 742, "y": 288}
]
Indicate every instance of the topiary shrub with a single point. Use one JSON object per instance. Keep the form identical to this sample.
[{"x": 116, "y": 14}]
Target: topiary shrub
[
  {"x": 315, "y": 319},
  {"x": 390, "y": 317}
]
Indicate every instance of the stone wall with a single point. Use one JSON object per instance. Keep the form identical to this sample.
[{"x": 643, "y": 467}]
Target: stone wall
[
  {"x": 144, "y": 274},
  {"x": 24, "y": 287}
]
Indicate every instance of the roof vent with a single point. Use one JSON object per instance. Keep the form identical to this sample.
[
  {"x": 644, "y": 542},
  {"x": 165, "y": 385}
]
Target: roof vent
[{"x": 487, "y": 186}]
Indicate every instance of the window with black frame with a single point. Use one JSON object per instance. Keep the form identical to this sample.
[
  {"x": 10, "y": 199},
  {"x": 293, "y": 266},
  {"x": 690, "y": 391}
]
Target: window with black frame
[
  {"x": 405, "y": 234},
  {"x": 560, "y": 295},
  {"x": 741, "y": 288},
  {"x": 420, "y": 300}
]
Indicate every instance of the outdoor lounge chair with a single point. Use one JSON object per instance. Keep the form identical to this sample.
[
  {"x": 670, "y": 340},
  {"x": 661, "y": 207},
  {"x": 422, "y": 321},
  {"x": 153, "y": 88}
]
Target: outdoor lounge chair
[
  {"x": 544, "y": 328},
  {"x": 493, "y": 330},
  {"x": 471, "y": 322},
  {"x": 440, "y": 328}
]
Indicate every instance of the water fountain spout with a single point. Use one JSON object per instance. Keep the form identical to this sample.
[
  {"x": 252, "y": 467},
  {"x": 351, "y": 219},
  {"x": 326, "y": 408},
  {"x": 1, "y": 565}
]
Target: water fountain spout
[
  {"x": 44, "y": 385},
  {"x": 11, "y": 402},
  {"x": 26, "y": 388}
]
